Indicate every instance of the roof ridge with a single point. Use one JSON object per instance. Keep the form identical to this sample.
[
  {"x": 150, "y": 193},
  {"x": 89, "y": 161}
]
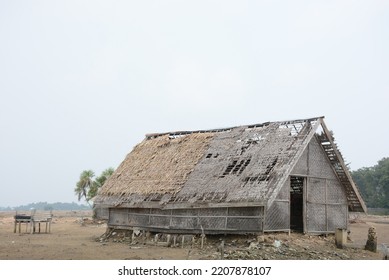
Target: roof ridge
[{"x": 186, "y": 132}]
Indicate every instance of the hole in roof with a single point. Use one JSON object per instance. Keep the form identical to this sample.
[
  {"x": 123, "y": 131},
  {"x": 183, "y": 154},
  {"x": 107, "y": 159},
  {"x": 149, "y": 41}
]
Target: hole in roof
[
  {"x": 236, "y": 167},
  {"x": 212, "y": 155}
]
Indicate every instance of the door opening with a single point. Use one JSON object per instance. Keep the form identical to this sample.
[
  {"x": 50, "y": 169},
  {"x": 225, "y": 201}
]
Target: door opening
[{"x": 296, "y": 203}]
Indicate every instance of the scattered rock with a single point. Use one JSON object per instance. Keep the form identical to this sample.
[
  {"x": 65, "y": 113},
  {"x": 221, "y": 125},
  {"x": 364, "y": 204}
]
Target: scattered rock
[
  {"x": 254, "y": 245},
  {"x": 371, "y": 243},
  {"x": 260, "y": 238},
  {"x": 277, "y": 243}
]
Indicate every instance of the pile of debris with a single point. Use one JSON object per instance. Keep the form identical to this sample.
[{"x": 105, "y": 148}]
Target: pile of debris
[{"x": 280, "y": 246}]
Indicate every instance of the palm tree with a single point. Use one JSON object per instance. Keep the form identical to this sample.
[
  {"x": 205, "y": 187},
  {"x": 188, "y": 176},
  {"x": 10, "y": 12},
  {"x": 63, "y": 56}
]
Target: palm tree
[
  {"x": 99, "y": 182},
  {"x": 84, "y": 184},
  {"x": 104, "y": 176}
]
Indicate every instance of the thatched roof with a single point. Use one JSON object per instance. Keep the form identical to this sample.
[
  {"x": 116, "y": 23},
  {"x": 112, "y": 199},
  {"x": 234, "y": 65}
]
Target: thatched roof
[
  {"x": 157, "y": 166},
  {"x": 244, "y": 164}
]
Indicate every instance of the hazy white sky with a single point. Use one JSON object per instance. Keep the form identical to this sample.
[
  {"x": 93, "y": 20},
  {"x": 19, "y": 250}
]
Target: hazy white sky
[{"x": 82, "y": 82}]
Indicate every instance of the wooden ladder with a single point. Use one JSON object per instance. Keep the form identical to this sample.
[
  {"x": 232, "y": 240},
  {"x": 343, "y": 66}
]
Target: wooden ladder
[{"x": 336, "y": 160}]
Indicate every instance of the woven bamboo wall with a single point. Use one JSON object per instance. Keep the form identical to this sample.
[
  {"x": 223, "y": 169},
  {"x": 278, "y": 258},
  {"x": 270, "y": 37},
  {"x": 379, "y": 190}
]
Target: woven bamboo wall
[
  {"x": 100, "y": 212},
  {"x": 278, "y": 214},
  {"x": 326, "y": 202},
  {"x": 209, "y": 220}
]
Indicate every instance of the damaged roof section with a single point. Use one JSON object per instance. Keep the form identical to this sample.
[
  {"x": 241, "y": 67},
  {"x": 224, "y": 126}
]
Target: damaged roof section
[{"x": 243, "y": 164}]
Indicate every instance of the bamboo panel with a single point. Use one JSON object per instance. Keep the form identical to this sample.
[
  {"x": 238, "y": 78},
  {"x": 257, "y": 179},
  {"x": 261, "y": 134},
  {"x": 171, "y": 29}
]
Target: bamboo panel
[
  {"x": 337, "y": 217},
  {"x": 316, "y": 217},
  {"x": 278, "y": 216},
  {"x": 240, "y": 219}
]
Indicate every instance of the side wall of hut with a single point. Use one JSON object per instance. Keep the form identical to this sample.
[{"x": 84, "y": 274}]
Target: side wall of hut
[
  {"x": 100, "y": 212},
  {"x": 325, "y": 200},
  {"x": 199, "y": 220}
]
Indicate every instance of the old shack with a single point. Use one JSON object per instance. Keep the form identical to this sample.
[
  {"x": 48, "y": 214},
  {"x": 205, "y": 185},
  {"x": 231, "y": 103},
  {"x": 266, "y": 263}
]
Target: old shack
[{"x": 273, "y": 176}]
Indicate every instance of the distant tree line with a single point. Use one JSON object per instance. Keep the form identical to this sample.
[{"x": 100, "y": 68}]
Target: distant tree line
[
  {"x": 373, "y": 183},
  {"x": 47, "y": 206},
  {"x": 87, "y": 186}
]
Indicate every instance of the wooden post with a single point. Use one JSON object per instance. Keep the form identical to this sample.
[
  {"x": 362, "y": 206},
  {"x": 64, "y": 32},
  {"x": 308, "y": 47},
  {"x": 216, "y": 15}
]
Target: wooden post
[
  {"x": 202, "y": 240},
  {"x": 340, "y": 238},
  {"x": 168, "y": 240},
  {"x": 156, "y": 238},
  {"x": 202, "y": 237},
  {"x": 222, "y": 250}
]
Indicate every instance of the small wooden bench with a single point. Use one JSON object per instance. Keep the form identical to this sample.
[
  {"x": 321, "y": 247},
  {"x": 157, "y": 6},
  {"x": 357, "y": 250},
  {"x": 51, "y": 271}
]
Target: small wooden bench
[
  {"x": 41, "y": 217},
  {"x": 21, "y": 218},
  {"x": 34, "y": 219}
]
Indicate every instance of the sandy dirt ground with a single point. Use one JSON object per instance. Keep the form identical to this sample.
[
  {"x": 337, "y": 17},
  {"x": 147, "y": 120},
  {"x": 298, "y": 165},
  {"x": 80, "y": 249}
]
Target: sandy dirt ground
[{"x": 75, "y": 236}]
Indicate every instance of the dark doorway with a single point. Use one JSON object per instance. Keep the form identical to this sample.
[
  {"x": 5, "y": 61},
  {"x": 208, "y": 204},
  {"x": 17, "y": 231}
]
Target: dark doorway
[{"x": 296, "y": 203}]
